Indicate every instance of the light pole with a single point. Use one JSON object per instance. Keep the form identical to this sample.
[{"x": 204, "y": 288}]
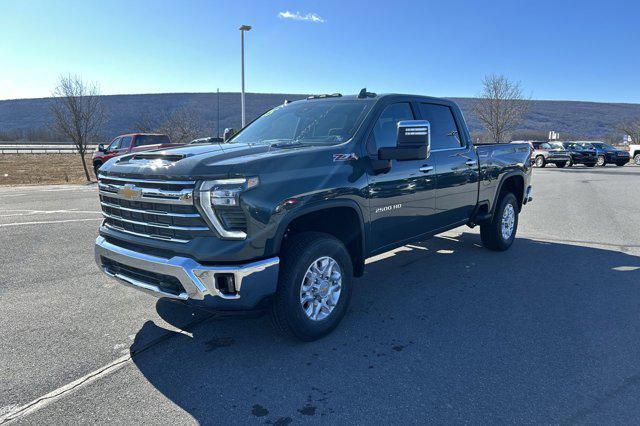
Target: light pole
[{"x": 242, "y": 29}]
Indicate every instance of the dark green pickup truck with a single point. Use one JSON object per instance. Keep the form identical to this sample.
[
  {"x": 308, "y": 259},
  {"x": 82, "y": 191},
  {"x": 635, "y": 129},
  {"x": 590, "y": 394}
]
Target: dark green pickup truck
[{"x": 283, "y": 215}]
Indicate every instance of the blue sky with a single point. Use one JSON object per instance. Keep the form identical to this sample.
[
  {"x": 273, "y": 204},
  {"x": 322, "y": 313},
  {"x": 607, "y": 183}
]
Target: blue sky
[{"x": 558, "y": 49}]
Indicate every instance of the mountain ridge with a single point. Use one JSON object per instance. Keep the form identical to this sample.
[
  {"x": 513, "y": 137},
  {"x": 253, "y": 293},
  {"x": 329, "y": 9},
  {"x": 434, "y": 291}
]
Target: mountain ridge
[{"x": 584, "y": 119}]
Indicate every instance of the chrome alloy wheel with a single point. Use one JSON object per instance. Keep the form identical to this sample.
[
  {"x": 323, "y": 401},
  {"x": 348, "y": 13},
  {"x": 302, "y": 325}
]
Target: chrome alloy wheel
[
  {"x": 320, "y": 289},
  {"x": 508, "y": 221}
]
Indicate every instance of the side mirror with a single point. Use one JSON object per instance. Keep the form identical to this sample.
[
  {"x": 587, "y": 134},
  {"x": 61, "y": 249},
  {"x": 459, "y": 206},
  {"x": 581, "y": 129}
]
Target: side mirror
[
  {"x": 413, "y": 142},
  {"x": 228, "y": 134},
  {"x": 101, "y": 148}
]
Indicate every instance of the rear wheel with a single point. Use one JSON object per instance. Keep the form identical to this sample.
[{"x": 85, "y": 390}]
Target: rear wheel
[
  {"x": 498, "y": 235},
  {"x": 636, "y": 159},
  {"x": 314, "y": 287},
  {"x": 96, "y": 166},
  {"x": 601, "y": 161},
  {"x": 540, "y": 161}
]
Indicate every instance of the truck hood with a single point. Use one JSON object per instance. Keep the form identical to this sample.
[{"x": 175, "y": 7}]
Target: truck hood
[{"x": 196, "y": 162}]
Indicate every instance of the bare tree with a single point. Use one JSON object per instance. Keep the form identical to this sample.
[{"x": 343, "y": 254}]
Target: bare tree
[
  {"x": 500, "y": 107},
  {"x": 631, "y": 128},
  {"x": 182, "y": 125},
  {"x": 78, "y": 113}
]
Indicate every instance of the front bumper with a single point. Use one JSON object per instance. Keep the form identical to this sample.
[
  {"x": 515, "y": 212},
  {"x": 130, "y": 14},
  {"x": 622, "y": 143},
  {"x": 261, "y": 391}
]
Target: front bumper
[{"x": 194, "y": 283}]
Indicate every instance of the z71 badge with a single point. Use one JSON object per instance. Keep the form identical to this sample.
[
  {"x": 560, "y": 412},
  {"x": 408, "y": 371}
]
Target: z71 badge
[{"x": 345, "y": 157}]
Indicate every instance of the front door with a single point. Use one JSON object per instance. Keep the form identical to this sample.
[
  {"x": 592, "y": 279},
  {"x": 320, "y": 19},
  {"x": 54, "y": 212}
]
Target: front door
[
  {"x": 402, "y": 200},
  {"x": 456, "y": 166}
]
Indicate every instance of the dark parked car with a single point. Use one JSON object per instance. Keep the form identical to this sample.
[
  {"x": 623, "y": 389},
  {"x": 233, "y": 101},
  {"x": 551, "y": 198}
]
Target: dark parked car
[
  {"x": 607, "y": 154},
  {"x": 580, "y": 154},
  {"x": 549, "y": 152},
  {"x": 285, "y": 213}
]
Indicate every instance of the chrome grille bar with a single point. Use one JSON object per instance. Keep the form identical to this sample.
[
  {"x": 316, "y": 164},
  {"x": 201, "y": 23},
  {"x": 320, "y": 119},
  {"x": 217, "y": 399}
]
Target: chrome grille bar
[
  {"x": 163, "y": 182},
  {"x": 138, "y": 234},
  {"x": 153, "y": 195},
  {"x": 156, "y": 212},
  {"x": 157, "y": 225}
]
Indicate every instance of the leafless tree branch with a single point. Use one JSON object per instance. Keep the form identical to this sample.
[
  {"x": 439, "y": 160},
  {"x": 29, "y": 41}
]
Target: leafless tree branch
[
  {"x": 501, "y": 107},
  {"x": 77, "y": 112}
]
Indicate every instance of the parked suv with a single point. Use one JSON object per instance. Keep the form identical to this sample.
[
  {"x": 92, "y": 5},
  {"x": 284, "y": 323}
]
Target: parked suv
[
  {"x": 607, "y": 154},
  {"x": 549, "y": 152},
  {"x": 285, "y": 213},
  {"x": 634, "y": 152},
  {"x": 125, "y": 144},
  {"x": 580, "y": 154}
]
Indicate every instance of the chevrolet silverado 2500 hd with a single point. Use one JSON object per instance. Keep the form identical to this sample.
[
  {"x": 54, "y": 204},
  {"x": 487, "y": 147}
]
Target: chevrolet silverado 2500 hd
[{"x": 285, "y": 213}]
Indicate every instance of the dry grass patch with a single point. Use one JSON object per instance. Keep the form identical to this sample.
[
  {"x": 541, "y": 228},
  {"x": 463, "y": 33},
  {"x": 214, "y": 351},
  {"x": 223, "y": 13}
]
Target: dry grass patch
[{"x": 35, "y": 169}]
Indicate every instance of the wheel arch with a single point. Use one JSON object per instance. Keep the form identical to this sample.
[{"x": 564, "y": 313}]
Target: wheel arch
[{"x": 342, "y": 219}]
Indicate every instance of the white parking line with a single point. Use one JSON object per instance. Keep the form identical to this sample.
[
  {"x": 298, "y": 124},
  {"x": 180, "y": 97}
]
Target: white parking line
[
  {"x": 44, "y": 222},
  {"x": 32, "y": 212}
]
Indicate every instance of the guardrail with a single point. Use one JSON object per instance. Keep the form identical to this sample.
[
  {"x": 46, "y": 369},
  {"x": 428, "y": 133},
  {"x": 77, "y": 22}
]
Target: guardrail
[{"x": 13, "y": 147}]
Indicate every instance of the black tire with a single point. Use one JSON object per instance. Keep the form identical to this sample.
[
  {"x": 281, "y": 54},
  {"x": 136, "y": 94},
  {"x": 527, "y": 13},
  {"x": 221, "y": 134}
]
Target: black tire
[
  {"x": 560, "y": 165},
  {"x": 299, "y": 253},
  {"x": 491, "y": 233},
  {"x": 540, "y": 161},
  {"x": 636, "y": 159},
  {"x": 601, "y": 161}
]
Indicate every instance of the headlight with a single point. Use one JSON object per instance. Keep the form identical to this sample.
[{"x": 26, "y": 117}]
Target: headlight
[{"x": 223, "y": 194}]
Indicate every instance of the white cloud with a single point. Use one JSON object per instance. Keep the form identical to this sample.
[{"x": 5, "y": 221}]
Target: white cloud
[{"x": 297, "y": 16}]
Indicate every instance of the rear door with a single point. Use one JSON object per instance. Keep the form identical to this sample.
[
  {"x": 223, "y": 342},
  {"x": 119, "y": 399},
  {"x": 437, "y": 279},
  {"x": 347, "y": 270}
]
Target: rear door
[
  {"x": 401, "y": 201},
  {"x": 456, "y": 166}
]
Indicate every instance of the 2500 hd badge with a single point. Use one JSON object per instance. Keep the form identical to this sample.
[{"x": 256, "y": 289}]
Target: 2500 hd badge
[{"x": 208, "y": 224}]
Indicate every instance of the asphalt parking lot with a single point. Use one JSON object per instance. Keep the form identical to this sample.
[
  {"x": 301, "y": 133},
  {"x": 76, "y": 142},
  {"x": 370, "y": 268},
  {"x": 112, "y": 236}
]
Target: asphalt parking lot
[{"x": 443, "y": 331}]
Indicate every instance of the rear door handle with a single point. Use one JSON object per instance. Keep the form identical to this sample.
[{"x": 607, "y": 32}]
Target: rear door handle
[
  {"x": 471, "y": 163},
  {"x": 426, "y": 169}
]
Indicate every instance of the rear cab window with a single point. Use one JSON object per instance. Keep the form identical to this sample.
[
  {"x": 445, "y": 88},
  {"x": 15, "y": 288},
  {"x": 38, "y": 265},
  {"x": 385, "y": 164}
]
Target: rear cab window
[
  {"x": 142, "y": 140},
  {"x": 444, "y": 129}
]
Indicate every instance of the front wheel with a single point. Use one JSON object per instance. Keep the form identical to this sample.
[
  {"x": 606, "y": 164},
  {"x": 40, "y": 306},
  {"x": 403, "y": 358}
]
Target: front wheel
[
  {"x": 498, "y": 235},
  {"x": 601, "y": 161},
  {"x": 314, "y": 287},
  {"x": 636, "y": 159}
]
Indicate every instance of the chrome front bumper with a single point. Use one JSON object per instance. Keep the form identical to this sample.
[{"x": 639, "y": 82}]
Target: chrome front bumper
[{"x": 252, "y": 281}]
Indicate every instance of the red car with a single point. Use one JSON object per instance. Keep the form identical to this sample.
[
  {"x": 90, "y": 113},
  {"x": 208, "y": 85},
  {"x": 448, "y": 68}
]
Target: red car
[{"x": 125, "y": 144}]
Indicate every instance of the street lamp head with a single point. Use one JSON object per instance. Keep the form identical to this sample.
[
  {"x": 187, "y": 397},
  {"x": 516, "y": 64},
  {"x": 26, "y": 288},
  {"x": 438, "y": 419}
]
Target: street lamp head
[{"x": 245, "y": 27}]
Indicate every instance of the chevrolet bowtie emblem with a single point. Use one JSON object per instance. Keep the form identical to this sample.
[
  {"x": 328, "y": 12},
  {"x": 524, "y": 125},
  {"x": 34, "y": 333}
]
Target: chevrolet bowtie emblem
[{"x": 130, "y": 192}]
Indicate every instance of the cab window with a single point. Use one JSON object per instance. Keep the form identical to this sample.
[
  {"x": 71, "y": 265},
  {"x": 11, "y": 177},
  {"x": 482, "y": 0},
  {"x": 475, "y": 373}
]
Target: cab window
[
  {"x": 385, "y": 131},
  {"x": 115, "y": 144},
  {"x": 125, "y": 142},
  {"x": 444, "y": 131}
]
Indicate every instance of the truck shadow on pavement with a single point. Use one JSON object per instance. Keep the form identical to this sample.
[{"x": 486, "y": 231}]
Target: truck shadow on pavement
[{"x": 443, "y": 331}]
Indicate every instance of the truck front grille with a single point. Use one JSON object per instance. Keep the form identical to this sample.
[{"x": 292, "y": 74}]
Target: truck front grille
[{"x": 156, "y": 209}]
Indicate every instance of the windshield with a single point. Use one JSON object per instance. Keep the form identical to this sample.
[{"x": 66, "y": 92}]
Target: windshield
[
  {"x": 578, "y": 147},
  {"x": 556, "y": 145},
  {"x": 307, "y": 122}
]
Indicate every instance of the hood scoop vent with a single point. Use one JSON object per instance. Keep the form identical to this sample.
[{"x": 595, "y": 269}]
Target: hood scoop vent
[{"x": 162, "y": 157}]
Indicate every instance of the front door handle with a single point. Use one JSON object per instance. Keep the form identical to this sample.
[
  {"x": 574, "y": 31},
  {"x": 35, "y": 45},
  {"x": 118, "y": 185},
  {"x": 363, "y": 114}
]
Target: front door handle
[
  {"x": 471, "y": 163},
  {"x": 426, "y": 169}
]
